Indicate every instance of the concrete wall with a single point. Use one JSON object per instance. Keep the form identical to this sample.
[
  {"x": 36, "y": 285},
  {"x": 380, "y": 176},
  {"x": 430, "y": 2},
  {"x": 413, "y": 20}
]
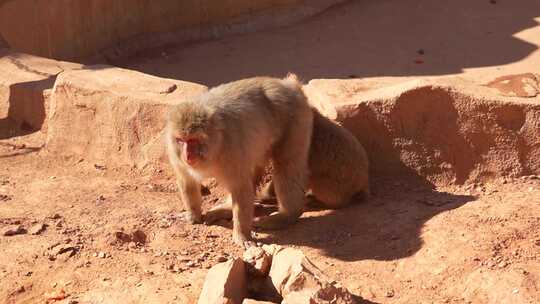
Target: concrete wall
[{"x": 74, "y": 29}]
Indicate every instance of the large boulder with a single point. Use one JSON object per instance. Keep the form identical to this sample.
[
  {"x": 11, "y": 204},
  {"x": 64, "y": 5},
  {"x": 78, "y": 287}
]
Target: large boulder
[
  {"x": 25, "y": 85},
  {"x": 438, "y": 131},
  {"x": 113, "y": 116},
  {"x": 225, "y": 283}
]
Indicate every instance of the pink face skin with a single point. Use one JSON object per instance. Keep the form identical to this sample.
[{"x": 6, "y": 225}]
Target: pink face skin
[{"x": 191, "y": 150}]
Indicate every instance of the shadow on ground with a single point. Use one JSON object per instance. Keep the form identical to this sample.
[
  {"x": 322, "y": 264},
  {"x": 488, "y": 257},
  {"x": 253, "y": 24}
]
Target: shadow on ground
[
  {"x": 386, "y": 227},
  {"x": 361, "y": 39}
]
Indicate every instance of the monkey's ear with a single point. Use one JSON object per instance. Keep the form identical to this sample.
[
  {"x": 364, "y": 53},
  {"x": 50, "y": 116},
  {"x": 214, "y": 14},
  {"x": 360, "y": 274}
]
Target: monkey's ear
[{"x": 292, "y": 77}]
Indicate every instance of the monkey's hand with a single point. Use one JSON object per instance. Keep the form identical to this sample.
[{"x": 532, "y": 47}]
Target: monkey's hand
[{"x": 190, "y": 217}]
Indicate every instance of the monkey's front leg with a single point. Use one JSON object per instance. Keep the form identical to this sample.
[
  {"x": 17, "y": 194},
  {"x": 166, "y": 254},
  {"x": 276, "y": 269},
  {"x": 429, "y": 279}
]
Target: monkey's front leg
[
  {"x": 242, "y": 207},
  {"x": 190, "y": 194}
]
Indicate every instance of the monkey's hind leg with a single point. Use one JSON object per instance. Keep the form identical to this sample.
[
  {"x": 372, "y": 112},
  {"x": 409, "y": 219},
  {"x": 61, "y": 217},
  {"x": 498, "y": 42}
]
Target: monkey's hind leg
[{"x": 290, "y": 175}]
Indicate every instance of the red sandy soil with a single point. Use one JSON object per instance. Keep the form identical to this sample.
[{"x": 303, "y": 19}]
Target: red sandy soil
[
  {"x": 408, "y": 244},
  {"x": 474, "y": 39},
  {"x": 472, "y": 244}
]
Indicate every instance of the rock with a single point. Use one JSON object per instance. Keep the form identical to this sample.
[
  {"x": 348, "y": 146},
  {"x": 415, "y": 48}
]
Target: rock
[
  {"x": 55, "y": 216},
  {"x": 37, "y": 228},
  {"x": 323, "y": 295},
  {"x": 253, "y": 301},
  {"x": 257, "y": 260},
  {"x": 14, "y": 230},
  {"x": 401, "y": 124},
  {"x": 271, "y": 249},
  {"x": 225, "y": 280},
  {"x": 138, "y": 236},
  {"x": 25, "y": 85},
  {"x": 262, "y": 289},
  {"x": 122, "y": 237},
  {"x": 64, "y": 253},
  {"x": 126, "y": 109},
  {"x": 225, "y": 300},
  {"x": 300, "y": 281}
]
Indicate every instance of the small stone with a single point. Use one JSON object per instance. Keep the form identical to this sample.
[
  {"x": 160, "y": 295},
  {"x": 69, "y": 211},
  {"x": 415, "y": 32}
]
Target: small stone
[
  {"x": 253, "y": 301},
  {"x": 298, "y": 280},
  {"x": 37, "y": 229},
  {"x": 14, "y": 230},
  {"x": 100, "y": 167},
  {"x": 102, "y": 255},
  {"x": 221, "y": 259},
  {"x": 258, "y": 259},
  {"x": 272, "y": 249},
  {"x": 390, "y": 294},
  {"x": 138, "y": 236}
]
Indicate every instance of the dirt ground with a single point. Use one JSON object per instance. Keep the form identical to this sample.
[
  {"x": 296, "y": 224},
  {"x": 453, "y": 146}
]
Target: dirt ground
[
  {"x": 108, "y": 235},
  {"x": 477, "y": 40},
  {"x": 472, "y": 244}
]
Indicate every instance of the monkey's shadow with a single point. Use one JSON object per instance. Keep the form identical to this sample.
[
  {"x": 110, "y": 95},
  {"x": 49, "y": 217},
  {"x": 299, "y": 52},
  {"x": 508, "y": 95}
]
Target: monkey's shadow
[{"x": 385, "y": 227}]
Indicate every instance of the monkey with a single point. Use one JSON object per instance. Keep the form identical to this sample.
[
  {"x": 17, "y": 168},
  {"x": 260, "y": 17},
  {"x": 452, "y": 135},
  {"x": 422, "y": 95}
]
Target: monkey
[
  {"x": 338, "y": 170},
  {"x": 338, "y": 166},
  {"x": 232, "y": 131}
]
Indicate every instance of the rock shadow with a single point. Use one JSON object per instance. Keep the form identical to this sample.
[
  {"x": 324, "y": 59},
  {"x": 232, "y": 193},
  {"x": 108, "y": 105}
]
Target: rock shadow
[{"x": 26, "y": 108}]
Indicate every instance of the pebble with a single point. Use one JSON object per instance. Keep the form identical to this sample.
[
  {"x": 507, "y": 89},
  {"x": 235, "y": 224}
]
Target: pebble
[
  {"x": 221, "y": 259},
  {"x": 390, "y": 294},
  {"x": 14, "y": 230},
  {"x": 56, "y": 216},
  {"x": 37, "y": 229}
]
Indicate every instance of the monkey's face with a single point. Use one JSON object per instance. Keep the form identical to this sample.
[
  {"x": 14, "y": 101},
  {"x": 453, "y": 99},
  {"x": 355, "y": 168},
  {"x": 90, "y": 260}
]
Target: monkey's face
[
  {"x": 194, "y": 132},
  {"x": 193, "y": 149}
]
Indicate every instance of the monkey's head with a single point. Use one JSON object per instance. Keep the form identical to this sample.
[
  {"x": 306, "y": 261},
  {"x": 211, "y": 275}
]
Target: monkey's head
[{"x": 195, "y": 132}]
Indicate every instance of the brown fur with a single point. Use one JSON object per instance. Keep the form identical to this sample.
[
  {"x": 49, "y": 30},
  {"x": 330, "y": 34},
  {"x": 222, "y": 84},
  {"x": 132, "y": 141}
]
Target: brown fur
[
  {"x": 338, "y": 165},
  {"x": 241, "y": 126}
]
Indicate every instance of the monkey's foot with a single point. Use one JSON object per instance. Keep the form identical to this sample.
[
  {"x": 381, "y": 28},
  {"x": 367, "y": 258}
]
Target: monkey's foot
[
  {"x": 243, "y": 241},
  {"x": 190, "y": 217},
  {"x": 274, "y": 221},
  {"x": 215, "y": 215}
]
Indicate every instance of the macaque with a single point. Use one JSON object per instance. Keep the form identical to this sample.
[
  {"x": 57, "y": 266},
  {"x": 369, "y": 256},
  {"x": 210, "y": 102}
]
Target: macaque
[
  {"x": 230, "y": 133},
  {"x": 338, "y": 166}
]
